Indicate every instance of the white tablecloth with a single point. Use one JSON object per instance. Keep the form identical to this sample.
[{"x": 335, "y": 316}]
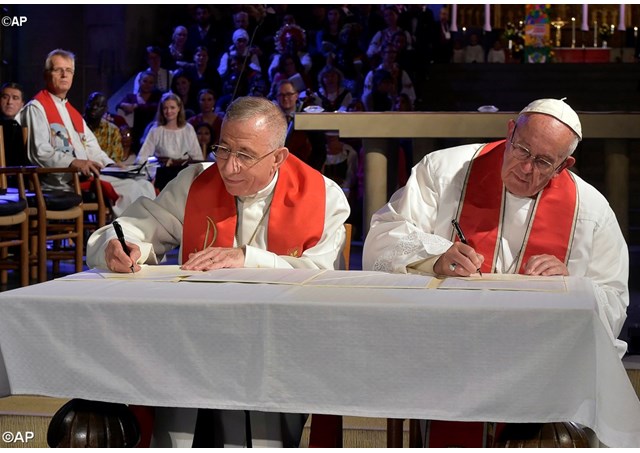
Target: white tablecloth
[{"x": 510, "y": 356}]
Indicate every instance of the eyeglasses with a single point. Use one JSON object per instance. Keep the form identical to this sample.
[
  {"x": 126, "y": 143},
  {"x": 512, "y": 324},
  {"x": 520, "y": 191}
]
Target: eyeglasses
[
  {"x": 61, "y": 71},
  {"x": 287, "y": 95},
  {"x": 541, "y": 164},
  {"x": 246, "y": 161}
]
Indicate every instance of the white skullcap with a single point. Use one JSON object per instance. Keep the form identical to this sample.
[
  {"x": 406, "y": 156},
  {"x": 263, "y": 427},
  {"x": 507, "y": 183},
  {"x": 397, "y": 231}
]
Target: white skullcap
[
  {"x": 240, "y": 33},
  {"x": 558, "y": 109}
]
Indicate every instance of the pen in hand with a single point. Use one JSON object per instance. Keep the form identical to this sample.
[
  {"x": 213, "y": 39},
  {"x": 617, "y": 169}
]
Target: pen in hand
[
  {"x": 463, "y": 239},
  {"x": 120, "y": 234}
]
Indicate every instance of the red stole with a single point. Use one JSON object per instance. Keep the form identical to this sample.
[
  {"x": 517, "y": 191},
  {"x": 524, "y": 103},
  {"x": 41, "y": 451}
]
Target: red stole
[
  {"x": 53, "y": 116},
  {"x": 296, "y": 216},
  {"x": 480, "y": 212}
]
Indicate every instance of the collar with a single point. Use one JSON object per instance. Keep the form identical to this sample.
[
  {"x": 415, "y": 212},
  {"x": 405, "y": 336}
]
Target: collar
[{"x": 262, "y": 193}]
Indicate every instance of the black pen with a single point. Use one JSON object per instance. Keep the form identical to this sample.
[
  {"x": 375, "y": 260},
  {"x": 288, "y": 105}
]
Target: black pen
[
  {"x": 460, "y": 234},
  {"x": 120, "y": 234}
]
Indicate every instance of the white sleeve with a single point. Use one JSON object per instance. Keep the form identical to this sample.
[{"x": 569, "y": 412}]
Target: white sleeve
[
  {"x": 222, "y": 67},
  {"x": 154, "y": 225},
  {"x": 402, "y": 231},
  {"x": 148, "y": 148},
  {"x": 374, "y": 45},
  {"x": 327, "y": 253}
]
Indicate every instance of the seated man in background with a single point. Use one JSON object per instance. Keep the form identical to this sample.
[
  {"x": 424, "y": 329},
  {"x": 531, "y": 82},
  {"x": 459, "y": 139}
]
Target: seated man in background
[
  {"x": 257, "y": 206},
  {"x": 107, "y": 134},
  {"x": 520, "y": 208},
  {"x": 11, "y": 101},
  {"x": 59, "y": 136}
]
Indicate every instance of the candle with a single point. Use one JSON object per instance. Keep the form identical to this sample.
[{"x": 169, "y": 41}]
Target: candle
[
  {"x": 621, "y": 25},
  {"x": 487, "y": 17},
  {"x": 454, "y": 18},
  {"x": 585, "y": 14},
  {"x": 635, "y": 32},
  {"x": 595, "y": 33},
  {"x": 573, "y": 32}
]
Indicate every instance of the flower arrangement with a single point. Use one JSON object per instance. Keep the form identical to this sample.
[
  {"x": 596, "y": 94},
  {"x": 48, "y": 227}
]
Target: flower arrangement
[
  {"x": 515, "y": 34},
  {"x": 605, "y": 32}
]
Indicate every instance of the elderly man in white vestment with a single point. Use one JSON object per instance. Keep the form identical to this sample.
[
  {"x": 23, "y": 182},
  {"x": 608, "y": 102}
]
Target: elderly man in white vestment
[
  {"x": 59, "y": 136},
  {"x": 520, "y": 208},
  {"x": 257, "y": 206}
]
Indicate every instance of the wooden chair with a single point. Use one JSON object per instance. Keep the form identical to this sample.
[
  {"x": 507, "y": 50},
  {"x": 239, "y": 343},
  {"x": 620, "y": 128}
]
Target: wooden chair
[
  {"x": 14, "y": 224},
  {"x": 56, "y": 217}
]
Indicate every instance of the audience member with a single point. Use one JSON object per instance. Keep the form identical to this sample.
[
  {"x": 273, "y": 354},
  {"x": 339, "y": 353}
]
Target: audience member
[
  {"x": 240, "y": 47},
  {"x": 474, "y": 53},
  {"x": 341, "y": 164},
  {"x": 290, "y": 39},
  {"x": 306, "y": 146},
  {"x": 442, "y": 42},
  {"x": 107, "y": 134},
  {"x": 384, "y": 37},
  {"x": 458, "y": 51},
  {"x": 496, "y": 53},
  {"x": 351, "y": 59},
  {"x": 380, "y": 98},
  {"x": 11, "y": 101},
  {"x": 401, "y": 81},
  {"x": 127, "y": 141},
  {"x": 140, "y": 108},
  {"x": 162, "y": 76},
  {"x": 236, "y": 82},
  {"x": 177, "y": 55},
  {"x": 208, "y": 115},
  {"x": 289, "y": 68},
  {"x": 182, "y": 86},
  {"x": 59, "y": 136},
  {"x": 253, "y": 194},
  {"x": 331, "y": 95},
  {"x": 202, "y": 74},
  {"x": 328, "y": 37},
  {"x": 203, "y": 33},
  {"x": 172, "y": 138},
  {"x": 207, "y": 138}
]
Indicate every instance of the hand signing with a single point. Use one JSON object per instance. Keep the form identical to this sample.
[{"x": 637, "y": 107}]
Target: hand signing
[
  {"x": 545, "y": 265},
  {"x": 118, "y": 261},
  {"x": 86, "y": 167},
  {"x": 215, "y": 258},
  {"x": 461, "y": 260}
]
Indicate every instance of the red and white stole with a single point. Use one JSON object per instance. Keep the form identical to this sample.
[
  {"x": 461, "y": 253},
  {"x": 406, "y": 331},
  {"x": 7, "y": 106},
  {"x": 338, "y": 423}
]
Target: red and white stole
[
  {"x": 481, "y": 211},
  {"x": 53, "y": 116},
  {"x": 296, "y": 216}
]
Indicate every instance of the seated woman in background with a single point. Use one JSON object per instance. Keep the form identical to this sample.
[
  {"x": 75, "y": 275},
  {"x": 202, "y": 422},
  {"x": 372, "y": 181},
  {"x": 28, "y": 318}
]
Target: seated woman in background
[
  {"x": 140, "y": 108},
  {"x": 172, "y": 138},
  {"x": 207, "y": 101},
  {"x": 206, "y": 138},
  {"x": 332, "y": 96},
  {"x": 290, "y": 68},
  {"x": 182, "y": 87}
]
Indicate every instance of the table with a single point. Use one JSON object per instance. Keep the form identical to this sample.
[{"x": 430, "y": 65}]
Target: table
[{"x": 513, "y": 356}]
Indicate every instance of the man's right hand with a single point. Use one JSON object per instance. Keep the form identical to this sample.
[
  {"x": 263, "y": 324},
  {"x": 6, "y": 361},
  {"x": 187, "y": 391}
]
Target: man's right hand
[
  {"x": 118, "y": 261},
  {"x": 461, "y": 260},
  {"x": 86, "y": 167}
]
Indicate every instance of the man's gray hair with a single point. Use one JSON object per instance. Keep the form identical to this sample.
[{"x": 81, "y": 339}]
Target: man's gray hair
[
  {"x": 48, "y": 64},
  {"x": 250, "y": 107}
]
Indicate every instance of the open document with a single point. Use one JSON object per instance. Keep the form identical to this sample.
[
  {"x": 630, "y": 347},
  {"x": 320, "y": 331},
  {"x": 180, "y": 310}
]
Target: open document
[{"x": 503, "y": 282}]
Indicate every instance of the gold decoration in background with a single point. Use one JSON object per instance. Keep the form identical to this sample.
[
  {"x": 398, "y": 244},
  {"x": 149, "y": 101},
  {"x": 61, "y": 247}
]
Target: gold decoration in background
[{"x": 558, "y": 24}]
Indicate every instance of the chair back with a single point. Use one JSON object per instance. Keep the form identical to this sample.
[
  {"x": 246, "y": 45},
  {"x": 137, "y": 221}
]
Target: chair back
[
  {"x": 346, "y": 251},
  {"x": 3, "y": 161}
]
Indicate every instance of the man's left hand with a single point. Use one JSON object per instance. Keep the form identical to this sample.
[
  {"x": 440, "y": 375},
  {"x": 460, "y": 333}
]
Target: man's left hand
[
  {"x": 215, "y": 258},
  {"x": 545, "y": 265}
]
